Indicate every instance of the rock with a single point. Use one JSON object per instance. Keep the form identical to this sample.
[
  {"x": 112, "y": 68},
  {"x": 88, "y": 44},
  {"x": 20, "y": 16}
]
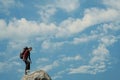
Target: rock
[{"x": 37, "y": 75}]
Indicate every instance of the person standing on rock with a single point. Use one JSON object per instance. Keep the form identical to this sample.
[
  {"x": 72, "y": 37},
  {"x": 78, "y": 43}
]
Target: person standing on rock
[{"x": 26, "y": 58}]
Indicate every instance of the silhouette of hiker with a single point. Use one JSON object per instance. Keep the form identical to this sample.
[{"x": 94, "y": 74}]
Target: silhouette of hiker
[{"x": 27, "y": 59}]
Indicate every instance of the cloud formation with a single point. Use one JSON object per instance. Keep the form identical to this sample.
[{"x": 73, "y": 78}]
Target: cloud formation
[
  {"x": 69, "y": 27},
  {"x": 48, "y": 10},
  {"x": 67, "y": 39},
  {"x": 5, "y": 5}
]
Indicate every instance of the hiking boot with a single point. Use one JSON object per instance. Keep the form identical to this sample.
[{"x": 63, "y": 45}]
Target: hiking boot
[{"x": 26, "y": 72}]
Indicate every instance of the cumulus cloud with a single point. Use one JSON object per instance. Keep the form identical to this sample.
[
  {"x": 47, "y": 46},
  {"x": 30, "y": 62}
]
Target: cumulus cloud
[
  {"x": 92, "y": 17},
  {"x": 19, "y": 29},
  {"x": 15, "y": 28},
  {"x": 65, "y": 29},
  {"x": 48, "y": 10},
  {"x": 24, "y": 29},
  {"x": 103, "y": 34},
  {"x": 100, "y": 54},
  {"x": 99, "y": 61},
  {"x": 97, "y": 16}
]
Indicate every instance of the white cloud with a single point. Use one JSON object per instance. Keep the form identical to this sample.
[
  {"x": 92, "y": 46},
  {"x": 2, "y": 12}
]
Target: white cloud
[
  {"x": 81, "y": 69},
  {"x": 20, "y": 29},
  {"x": 24, "y": 29},
  {"x": 2, "y": 27},
  {"x": 92, "y": 17},
  {"x": 51, "y": 45},
  {"x": 50, "y": 66},
  {"x": 65, "y": 29},
  {"x": 9, "y": 3},
  {"x": 112, "y": 3},
  {"x": 97, "y": 16},
  {"x": 18, "y": 44},
  {"x": 58, "y": 75},
  {"x": 88, "y": 69},
  {"x": 68, "y": 5},
  {"x": 69, "y": 27},
  {"x": 5, "y": 5},
  {"x": 6, "y": 66},
  {"x": 58, "y": 63},
  {"x": 103, "y": 33},
  {"x": 17, "y": 29},
  {"x": 112, "y": 26},
  {"x": 9, "y": 64},
  {"x": 48, "y": 10},
  {"x": 100, "y": 54},
  {"x": 96, "y": 64},
  {"x": 73, "y": 58},
  {"x": 39, "y": 60},
  {"x": 84, "y": 38},
  {"x": 108, "y": 40}
]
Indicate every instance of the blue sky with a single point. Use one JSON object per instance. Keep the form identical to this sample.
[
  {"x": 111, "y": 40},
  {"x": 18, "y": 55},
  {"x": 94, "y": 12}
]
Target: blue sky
[{"x": 71, "y": 39}]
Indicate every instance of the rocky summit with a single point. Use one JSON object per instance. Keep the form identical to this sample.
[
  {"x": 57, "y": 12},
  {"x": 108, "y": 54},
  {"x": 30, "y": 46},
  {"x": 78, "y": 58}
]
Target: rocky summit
[{"x": 37, "y": 75}]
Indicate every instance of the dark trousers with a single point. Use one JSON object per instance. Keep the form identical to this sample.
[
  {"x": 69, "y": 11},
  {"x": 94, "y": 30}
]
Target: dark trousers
[{"x": 27, "y": 67}]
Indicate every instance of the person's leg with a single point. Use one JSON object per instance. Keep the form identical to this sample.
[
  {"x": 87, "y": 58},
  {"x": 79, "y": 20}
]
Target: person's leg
[
  {"x": 28, "y": 65},
  {"x": 25, "y": 67}
]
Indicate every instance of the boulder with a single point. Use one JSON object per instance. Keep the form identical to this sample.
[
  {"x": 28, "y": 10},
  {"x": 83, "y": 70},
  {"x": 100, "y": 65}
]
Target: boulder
[{"x": 37, "y": 75}]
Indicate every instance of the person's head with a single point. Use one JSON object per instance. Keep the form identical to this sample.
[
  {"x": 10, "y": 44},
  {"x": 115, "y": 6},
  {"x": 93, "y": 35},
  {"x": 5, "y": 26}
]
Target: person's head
[
  {"x": 30, "y": 48},
  {"x": 25, "y": 48}
]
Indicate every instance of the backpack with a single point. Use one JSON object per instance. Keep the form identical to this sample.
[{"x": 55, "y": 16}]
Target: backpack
[{"x": 22, "y": 53}]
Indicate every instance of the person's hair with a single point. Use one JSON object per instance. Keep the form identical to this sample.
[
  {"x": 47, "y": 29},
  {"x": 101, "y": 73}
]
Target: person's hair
[{"x": 25, "y": 47}]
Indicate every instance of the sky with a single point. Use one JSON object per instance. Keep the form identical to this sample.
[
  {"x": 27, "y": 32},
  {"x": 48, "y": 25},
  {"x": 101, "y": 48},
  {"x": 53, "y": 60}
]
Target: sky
[{"x": 71, "y": 39}]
